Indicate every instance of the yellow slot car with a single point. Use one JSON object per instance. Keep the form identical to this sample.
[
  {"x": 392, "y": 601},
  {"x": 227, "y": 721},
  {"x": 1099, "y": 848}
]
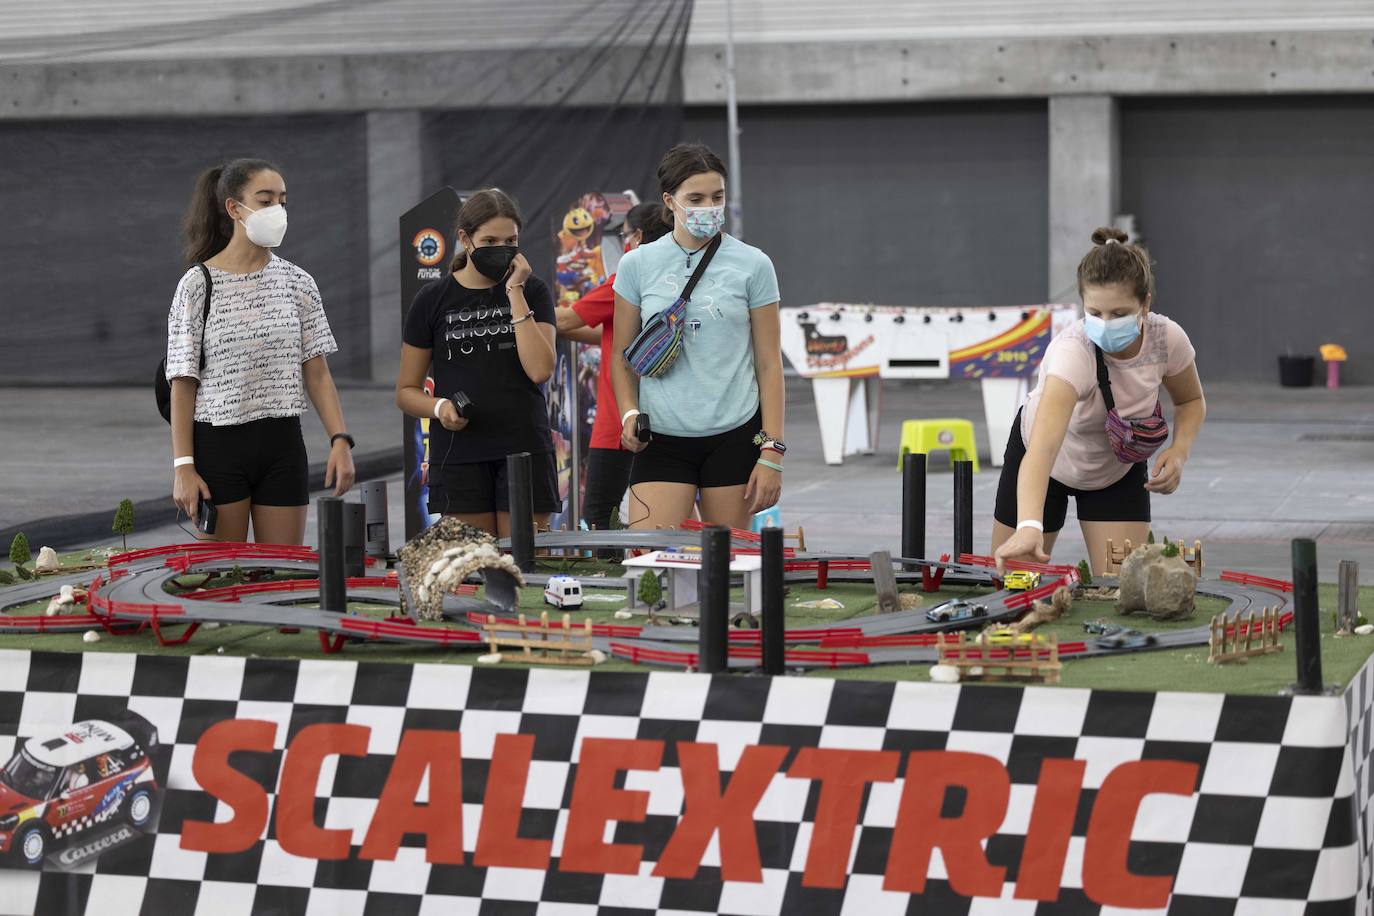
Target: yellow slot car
[
  {"x": 1004, "y": 636},
  {"x": 1021, "y": 580}
]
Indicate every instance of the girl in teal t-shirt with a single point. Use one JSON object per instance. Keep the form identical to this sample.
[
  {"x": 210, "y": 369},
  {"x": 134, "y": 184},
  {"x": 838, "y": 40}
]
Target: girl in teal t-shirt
[{"x": 717, "y": 413}]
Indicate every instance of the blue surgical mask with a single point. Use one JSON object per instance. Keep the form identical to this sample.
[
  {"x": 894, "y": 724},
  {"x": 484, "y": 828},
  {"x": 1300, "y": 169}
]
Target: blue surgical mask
[{"x": 1112, "y": 336}]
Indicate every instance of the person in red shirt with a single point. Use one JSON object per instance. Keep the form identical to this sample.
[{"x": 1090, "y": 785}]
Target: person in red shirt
[{"x": 608, "y": 465}]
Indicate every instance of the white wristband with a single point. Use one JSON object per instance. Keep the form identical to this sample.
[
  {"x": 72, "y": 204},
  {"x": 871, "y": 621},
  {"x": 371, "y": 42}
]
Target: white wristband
[
  {"x": 632, "y": 412},
  {"x": 437, "y": 404},
  {"x": 184, "y": 459},
  {"x": 1030, "y": 523}
]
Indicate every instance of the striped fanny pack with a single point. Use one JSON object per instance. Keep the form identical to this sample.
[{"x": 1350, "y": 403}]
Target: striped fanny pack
[
  {"x": 659, "y": 342},
  {"x": 1132, "y": 440}
]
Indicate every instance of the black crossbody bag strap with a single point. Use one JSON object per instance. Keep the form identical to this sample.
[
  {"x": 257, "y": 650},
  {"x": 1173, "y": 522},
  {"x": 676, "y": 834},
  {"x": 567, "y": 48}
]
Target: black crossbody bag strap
[
  {"x": 1103, "y": 382},
  {"x": 204, "y": 312},
  {"x": 711, "y": 247}
]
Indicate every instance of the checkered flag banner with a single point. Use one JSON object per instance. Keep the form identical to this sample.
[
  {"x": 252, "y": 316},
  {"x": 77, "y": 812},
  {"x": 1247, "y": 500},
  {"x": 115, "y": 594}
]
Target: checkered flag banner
[{"x": 235, "y": 786}]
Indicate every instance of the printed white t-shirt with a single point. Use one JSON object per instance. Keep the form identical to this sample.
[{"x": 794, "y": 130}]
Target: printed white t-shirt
[
  {"x": 1086, "y": 461},
  {"x": 263, "y": 325}
]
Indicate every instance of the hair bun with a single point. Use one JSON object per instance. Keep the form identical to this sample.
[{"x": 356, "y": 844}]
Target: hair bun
[{"x": 1105, "y": 234}]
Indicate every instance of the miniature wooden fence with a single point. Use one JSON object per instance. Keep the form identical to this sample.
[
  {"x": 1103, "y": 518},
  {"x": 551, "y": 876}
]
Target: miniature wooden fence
[
  {"x": 1116, "y": 555},
  {"x": 1231, "y": 640},
  {"x": 1032, "y": 660},
  {"x": 540, "y": 642}
]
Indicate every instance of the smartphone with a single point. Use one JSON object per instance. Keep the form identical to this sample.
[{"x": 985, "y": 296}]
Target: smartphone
[{"x": 206, "y": 515}]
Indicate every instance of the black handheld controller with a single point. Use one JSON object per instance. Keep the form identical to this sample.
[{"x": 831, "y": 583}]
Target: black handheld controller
[
  {"x": 461, "y": 401},
  {"x": 643, "y": 432},
  {"x": 206, "y": 516}
]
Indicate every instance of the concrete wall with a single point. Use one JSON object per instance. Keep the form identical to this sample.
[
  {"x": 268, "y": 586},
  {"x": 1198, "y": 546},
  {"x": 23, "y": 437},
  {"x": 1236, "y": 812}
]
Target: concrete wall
[
  {"x": 90, "y": 242},
  {"x": 899, "y": 204},
  {"x": 1257, "y": 212}
]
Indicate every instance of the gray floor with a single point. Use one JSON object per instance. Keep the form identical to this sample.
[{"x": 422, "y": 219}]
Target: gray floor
[{"x": 1256, "y": 479}]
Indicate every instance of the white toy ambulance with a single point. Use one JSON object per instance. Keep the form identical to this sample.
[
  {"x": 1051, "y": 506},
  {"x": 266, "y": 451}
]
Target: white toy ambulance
[{"x": 563, "y": 592}]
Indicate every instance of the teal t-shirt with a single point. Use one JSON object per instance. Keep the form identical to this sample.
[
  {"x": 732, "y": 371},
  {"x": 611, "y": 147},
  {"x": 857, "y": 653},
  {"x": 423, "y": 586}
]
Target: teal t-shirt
[{"x": 711, "y": 387}]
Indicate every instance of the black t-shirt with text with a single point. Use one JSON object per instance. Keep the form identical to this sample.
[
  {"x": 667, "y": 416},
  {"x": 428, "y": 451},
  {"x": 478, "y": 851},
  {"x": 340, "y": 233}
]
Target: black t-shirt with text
[{"x": 473, "y": 341}]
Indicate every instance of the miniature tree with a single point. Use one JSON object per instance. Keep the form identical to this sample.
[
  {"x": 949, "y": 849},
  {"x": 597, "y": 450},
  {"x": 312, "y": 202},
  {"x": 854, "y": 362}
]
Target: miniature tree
[
  {"x": 616, "y": 523},
  {"x": 1151, "y": 538},
  {"x": 1085, "y": 573},
  {"x": 124, "y": 521},
  {"x": 1170, "y": 548},
  {"x": 6, "y": 577},
  {"x": 236, "y": 575},
  {"x": 19, "y": 555},
  {"x": 650, "y": 592}
]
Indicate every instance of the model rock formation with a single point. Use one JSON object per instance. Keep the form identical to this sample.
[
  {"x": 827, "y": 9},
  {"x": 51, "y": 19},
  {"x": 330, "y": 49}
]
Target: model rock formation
[
  {"x": 1155, "y": 583},
  {"x": 439, "y": 558}
]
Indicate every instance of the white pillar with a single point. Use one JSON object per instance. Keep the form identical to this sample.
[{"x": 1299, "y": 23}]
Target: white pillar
[
  {"x": 394, "y": 185},
  {"x": 1084, "y": 182}
]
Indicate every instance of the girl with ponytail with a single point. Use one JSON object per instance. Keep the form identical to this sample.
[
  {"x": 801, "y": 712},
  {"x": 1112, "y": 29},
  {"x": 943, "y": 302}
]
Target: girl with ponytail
[
  {"x": 1094, "y": 421},
  {"x": 239, "y": 377}
]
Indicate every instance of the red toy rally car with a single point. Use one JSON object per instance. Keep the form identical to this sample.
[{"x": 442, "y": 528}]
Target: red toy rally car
[{"x": 65, "y": 783}]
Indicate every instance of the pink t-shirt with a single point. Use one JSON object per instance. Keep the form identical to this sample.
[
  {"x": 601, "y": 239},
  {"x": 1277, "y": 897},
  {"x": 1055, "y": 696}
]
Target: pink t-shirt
[{"x": 1086, "y": 461}]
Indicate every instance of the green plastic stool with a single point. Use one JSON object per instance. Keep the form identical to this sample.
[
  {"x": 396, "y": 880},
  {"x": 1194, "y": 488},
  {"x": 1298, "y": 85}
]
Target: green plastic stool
[{"x": 926, "y": 436}]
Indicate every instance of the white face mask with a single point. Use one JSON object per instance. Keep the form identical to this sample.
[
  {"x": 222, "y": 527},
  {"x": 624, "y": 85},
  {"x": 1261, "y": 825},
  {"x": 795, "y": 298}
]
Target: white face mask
[{"x": 266, "y": 226}]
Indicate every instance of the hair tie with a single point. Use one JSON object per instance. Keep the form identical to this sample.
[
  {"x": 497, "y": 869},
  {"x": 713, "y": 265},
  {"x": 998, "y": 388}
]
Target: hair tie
[{"x": 1113, "y": 241}]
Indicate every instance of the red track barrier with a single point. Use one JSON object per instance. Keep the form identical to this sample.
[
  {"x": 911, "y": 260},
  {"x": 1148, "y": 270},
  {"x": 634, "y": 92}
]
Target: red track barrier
[
  {"x": 1241, "y": 578},
  {"x": 1053, "y": 569}
]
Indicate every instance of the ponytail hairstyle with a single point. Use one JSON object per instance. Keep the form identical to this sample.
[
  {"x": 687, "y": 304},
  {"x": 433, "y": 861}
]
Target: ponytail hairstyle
[
  {"x": 1113, "y": 260},
  {"x": 646, "y": 219},
  {"x": 489, "y": 204},
  {"x": 680, "y": 163},
  {"x": 207, "y": 227}
]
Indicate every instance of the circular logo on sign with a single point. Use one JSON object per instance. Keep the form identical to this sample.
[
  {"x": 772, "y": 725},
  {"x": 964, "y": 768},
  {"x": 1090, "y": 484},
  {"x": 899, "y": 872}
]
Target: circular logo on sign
[
  {"x": 429, "y": 247},
  {"x": 946, "y": 437}
]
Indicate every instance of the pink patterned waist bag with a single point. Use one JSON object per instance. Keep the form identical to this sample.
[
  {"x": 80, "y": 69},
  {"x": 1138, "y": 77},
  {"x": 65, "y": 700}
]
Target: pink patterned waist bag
[{"x": 1132, "y": 440}]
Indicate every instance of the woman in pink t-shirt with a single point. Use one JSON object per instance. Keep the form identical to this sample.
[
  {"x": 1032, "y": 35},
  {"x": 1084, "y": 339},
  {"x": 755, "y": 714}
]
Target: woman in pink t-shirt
[{"x": 1093, "y": 422}]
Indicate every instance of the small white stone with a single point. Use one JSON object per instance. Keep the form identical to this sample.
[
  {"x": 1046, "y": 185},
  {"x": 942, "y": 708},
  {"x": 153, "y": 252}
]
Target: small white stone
[
  {"x": 624, "y": 614},
  {"x": 91, "y": 636},
  {"x": 597, "y": 656},
  {"x": 220, "y": 650},
  {"x": 944, "y": 674},
  {"x": 68, "y": 591},
  {"x": 437, "y": 567},
  {"x": 47, "y": 560},
  {"x": 975, "y": 671},
  {"x": 212, "y": 624},
  {"x": 1365, "y": 629},
  {"x": 492, "y": 659}
]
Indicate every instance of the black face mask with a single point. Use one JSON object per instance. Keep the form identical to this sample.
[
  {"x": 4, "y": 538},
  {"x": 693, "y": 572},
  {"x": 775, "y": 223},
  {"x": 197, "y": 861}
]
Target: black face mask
[{"x": 493, "y": 261}]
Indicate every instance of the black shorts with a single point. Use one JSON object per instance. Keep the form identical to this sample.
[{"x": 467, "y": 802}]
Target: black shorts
[
  {"x": 482, "y": 486},
  {"x": 263, "y": 461},
  {"x": 1127, "y": 500},
  {"x": 723, "y": 460},
  {"x": 608, "y": 474}
]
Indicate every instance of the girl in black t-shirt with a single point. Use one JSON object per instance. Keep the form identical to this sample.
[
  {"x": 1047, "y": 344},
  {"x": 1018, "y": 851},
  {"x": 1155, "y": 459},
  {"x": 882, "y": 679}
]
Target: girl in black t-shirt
[{"x": 487, "y": 329}]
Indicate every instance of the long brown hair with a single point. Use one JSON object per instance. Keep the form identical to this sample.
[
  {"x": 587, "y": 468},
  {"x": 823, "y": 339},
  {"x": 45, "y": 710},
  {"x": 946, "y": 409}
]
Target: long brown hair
[
  {"x": 1113, "y": 260},
  {"x": 682, "y": 162},
  {"x": 488, "y": 204},
  {"x": 207, "y": 227}
]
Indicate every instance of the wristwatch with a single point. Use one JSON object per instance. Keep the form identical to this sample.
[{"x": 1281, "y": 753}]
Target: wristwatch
[
  {"x": 765, "y": 441},
  {"x": 345, "y": 437}
]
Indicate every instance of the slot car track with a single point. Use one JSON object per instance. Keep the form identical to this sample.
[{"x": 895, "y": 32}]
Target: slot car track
[{"x": 131, "y": 596}]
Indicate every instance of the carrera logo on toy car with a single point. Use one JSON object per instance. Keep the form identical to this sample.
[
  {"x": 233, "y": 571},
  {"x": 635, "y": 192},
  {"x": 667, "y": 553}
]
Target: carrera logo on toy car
[{"x": 73, "y": 856}]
